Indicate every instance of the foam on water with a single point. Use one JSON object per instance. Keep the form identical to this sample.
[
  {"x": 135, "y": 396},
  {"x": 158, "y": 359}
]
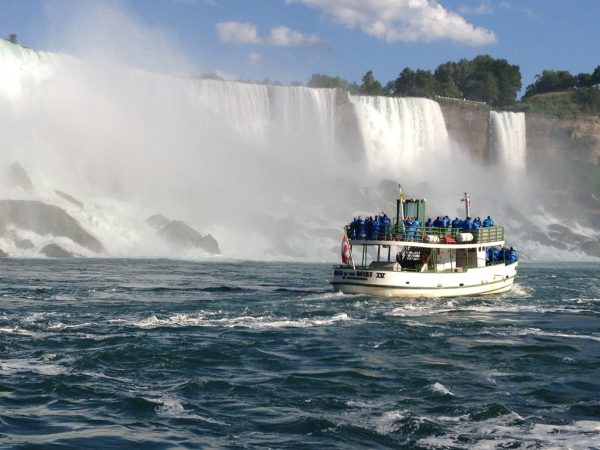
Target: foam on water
[
  {"x": 255, "y": 322},
  {"x": 13, "y": 366},
  {"x": 441, "y": 389},
  {"x": 387, "y": 423},
  {"x": 172, "y": 407},
  {"x": 184, "y": 355},
  {"x": 513, "y": 431}
]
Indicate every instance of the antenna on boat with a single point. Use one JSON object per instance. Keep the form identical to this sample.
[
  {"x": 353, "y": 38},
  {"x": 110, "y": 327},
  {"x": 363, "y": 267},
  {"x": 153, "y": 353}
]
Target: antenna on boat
[
  {"x": 467, "y": 201},
  {"x": 400, "y": 209}
]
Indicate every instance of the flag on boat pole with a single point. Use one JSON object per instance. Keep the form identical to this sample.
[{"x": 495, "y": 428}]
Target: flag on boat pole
[{"x": 345, "y": 249}]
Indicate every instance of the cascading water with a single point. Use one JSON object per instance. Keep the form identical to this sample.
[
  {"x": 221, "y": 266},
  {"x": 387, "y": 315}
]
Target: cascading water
[
  {"x": 270, "y": 171},
  {"x": 508, "y": 140},
  {"x": 400, "y": 132},
  {"x": 248, "y": 163}
]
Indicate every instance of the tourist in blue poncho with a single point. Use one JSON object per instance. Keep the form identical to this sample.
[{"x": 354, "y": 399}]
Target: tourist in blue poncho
[{"x": 446, "y": 222}]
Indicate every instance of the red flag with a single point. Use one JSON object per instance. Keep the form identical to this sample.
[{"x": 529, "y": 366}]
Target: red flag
[{"x": 345, "y": 250}]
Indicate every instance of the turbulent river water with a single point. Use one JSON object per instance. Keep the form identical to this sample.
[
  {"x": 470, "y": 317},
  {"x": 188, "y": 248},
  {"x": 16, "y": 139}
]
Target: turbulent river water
[{"x": 160, "y": 354}]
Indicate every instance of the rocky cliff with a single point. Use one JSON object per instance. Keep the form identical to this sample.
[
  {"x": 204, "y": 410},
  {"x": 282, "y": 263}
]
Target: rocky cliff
[
  {"x": 468, "y": 127},
  {"x": 547, "y": 137},
  {"x": 574, "y": 139}
]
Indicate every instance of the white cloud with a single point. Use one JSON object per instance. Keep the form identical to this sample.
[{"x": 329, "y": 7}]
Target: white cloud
[
  {"x": 286, "y": 37},
  {"x": 281, "y": 36},
  {"x": 484, "y": 8},
  {"x": 255, "y": 59},
  {"x": 237, "y": 33},
  {"x": 527, "y": 12},
  {"x": 403, "y": 20},
  {"x": 195, "y": 2}
]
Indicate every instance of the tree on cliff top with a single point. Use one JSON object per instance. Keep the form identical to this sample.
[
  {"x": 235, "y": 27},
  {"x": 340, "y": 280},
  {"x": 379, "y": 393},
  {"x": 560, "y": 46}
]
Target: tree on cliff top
[
  {"x": 318, "y": 80},
  {"x": 484, "y": 79},
  {"x": 370, "y": 86},
  {"x": 420, "y": 83},
  {"x": 550, "y": 81}
]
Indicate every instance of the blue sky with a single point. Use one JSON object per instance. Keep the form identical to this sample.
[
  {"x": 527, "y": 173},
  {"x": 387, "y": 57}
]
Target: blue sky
[{"x": 288, "y": 40}]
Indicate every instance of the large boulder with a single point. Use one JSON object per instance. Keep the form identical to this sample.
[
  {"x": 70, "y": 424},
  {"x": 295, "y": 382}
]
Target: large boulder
[
  {"x": 47, "y": 219},
  {"x": 18, "y": 177},
  {"x": 182, "y": 235},
  {"x": 591, "y": 248},
  {"x": 157, "y": 221},
  {"x": 24, "y": 244},
  {"x": 55, "y": 251},
  {"x": 69, "y": 198}
]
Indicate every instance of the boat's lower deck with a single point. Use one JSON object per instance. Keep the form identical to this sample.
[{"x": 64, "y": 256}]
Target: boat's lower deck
[{"x": 390, "y": 283}]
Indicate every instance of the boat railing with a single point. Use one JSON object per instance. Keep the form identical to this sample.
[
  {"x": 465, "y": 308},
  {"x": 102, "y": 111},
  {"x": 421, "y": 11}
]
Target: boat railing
[
  {"x": 419, "y": 267},
  {"x": 422, "y": 234}
]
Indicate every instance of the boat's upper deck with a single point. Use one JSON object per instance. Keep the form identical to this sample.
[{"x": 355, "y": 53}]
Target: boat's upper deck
[{"x": 436, "y": 237}]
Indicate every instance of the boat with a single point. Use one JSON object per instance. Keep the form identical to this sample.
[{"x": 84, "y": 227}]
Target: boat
[{"x": 399, "y": 257}]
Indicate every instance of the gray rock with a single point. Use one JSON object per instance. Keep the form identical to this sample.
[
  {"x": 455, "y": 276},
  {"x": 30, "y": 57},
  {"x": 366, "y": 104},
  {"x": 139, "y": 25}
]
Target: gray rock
[
  {"x": 69, "y": 198},
  {"x": 569, "y": 237},
  {"x": 24, "y": 244},
  {"x": 157, "y": 221},
  {"x": 47, "y": 219},
  {"x": 182, "y": 235},
  {"x": 591, "y": 248},
  {"x": 557, "y": 227},
  {"x": 18, "y": 177},
  {"x": 542, "y": 238},
  {"x": 55, "y": 251}
]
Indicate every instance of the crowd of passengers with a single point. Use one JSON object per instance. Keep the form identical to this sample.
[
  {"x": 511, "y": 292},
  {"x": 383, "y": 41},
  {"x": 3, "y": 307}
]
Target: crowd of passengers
[
  {"x": 380, "y": 225},
  {"x": 371, "y": 228},
  {"x": 494, "y": 255}
]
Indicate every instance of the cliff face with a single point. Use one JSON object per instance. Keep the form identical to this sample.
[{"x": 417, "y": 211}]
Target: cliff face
[
  {"x": 547, "y": 137},
  {"x": 468, "y": 127},
  {"x": 574, "y": 139}
]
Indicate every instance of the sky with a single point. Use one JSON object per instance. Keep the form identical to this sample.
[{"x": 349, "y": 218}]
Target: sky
[{"x": 289, "y": 40}]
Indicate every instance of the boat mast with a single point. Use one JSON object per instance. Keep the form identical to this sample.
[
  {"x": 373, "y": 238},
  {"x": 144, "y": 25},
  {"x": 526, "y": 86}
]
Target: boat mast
[
  {"x": 467, "y": 201},
  {"x": 400, "y": 209}
]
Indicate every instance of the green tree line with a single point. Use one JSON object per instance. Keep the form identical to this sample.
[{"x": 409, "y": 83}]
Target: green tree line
[{"x": 493, "y": 81}]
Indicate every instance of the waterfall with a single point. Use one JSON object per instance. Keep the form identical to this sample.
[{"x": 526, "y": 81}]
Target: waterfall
[
  {"x": 508, "y": 140},
  {"x": 400, "y": 132},
  {"x": 270, "y": 171},
  {"x": 281, "y": 116}
]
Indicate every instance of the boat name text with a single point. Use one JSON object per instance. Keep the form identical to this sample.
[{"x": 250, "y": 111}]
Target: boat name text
[{"x": 357, "y": 274}]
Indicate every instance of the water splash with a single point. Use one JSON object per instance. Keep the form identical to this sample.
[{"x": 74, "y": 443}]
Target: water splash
[
  {"x": 508, "y": 140},
  {"x": 400, "y": 132}
]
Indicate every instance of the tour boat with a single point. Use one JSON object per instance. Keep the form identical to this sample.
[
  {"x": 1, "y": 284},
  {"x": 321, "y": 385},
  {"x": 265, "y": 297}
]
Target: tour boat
[{"x": 402, "y": 258}]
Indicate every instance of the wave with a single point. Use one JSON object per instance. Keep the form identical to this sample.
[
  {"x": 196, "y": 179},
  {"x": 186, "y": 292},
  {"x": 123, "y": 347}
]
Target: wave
[
  {"x": 254, "y": 322},
  {"x": 172, "y": 407},
  {"x": 42, "y": 367},
  {"x": 440, "y": 389}
]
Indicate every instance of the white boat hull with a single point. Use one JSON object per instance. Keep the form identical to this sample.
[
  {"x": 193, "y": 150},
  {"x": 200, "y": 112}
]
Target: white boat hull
[{"x": 388, "y": 283}]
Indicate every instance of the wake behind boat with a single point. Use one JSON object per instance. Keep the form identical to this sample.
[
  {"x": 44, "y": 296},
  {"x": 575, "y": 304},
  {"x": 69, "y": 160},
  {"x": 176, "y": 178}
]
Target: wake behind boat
[{"x": 401, "y": 258}]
